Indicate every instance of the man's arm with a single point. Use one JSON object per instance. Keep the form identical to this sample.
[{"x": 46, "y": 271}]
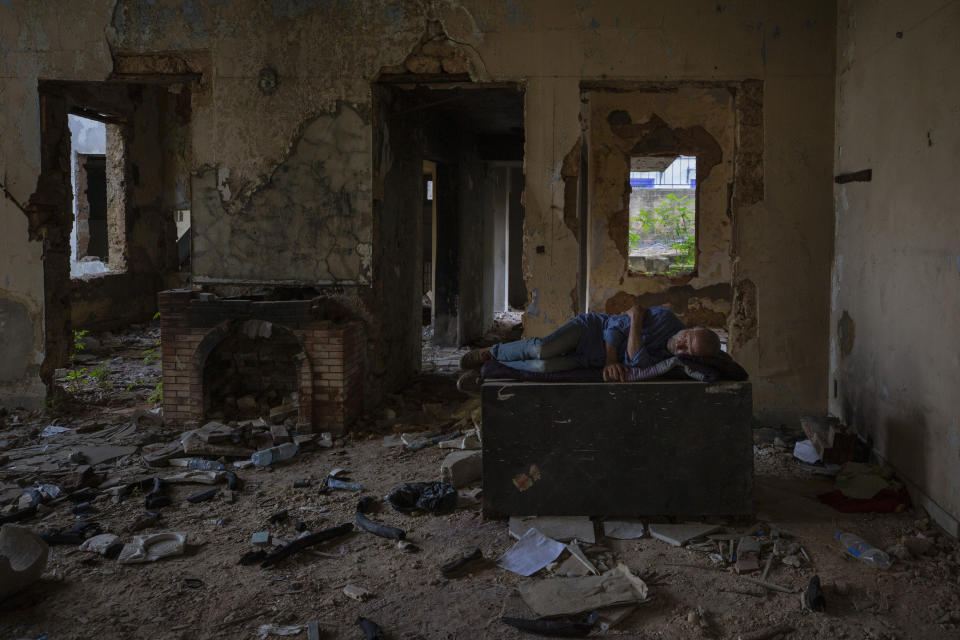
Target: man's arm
[
  {"x": 635, "y": 337},
  {"x": 614, "y": 371}
]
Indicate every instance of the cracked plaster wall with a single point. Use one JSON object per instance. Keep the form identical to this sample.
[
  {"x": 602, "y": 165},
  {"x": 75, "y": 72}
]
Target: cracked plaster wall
[
  {"x": 327, "y": 53},
  {"x": 36, "y": 40},
  {"x": 895, "y": 348}
]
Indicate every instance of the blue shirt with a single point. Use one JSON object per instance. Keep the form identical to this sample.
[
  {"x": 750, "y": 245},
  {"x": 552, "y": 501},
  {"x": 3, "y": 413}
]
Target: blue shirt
[{"x": 659, "y": 325}]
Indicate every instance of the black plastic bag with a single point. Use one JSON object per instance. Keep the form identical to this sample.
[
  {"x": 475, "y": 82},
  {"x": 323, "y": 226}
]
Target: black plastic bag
[{"x": 434, "y": 497}]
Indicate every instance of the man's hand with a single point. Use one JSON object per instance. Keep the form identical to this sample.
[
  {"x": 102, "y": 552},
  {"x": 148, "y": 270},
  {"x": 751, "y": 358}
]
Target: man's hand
[
  {"x": 615, "y": 372},
  {"x": 636, "y": 312}
]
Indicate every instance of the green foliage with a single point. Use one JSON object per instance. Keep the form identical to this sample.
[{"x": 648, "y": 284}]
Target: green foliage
[
  {"x": 674, "y": 220},
  {"x": 156, "y": 316},
  {"x": 157, "y": 396},
  {"x": 149, "y": 355},
  {"x": 75, "y": 378},
  {"x": 100, "y": 376},
  {"x": 79, "y": 341}
]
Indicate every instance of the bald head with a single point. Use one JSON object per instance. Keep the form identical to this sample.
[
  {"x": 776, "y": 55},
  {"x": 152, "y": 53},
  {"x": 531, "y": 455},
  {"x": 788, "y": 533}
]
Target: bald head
[{"x": 698, "y": 341}]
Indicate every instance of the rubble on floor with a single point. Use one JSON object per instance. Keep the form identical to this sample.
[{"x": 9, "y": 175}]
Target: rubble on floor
[{"x": 315, "y": 558}]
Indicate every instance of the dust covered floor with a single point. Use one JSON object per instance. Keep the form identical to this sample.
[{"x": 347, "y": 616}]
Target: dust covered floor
[{"x": 206, "y": 594}]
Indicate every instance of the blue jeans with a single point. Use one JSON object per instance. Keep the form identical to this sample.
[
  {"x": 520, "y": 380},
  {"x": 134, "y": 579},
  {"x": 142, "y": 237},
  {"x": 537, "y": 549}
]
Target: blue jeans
[{"x": 555, "y": 352}]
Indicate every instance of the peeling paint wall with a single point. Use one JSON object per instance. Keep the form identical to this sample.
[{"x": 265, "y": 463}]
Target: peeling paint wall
[
  {"x": 35, "y": 42},
  {"x": 895, "y": 347},
  {"x": 273, "y": 69},
  {"x": 310, "y": 223}
]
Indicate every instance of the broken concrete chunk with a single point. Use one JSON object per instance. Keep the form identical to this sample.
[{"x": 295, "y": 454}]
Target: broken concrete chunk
[
  {"x": 23, "y": 557},
  {"x": 468, "y": 441},
  {"x": 460, "y": 468},
  {"x": 281, "y": 413},
  {"x": 260, "y": 538},
  {"x": 195, "y": 477},
  {"x": 153, "y": 547},
  {"x": 680, "y": 534},
  {"x": 356, "y": 592},
  {"x": 563, "y": 528},
  {"x": 748, "y": 554},
  {"x": 100, "y": 543},
  {"x": 577, "y": 564},
  {"x": 624, "y": 529}
]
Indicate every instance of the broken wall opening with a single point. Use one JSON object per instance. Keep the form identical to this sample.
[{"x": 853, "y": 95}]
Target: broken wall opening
[
  {"x": 663, "y": 214},
  {"x": 132, "y": 127},
  {"x": 632, "y": 128}
]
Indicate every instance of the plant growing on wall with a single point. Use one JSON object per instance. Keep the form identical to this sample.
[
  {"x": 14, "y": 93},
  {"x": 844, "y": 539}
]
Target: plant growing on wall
[{"x": 673, "y": 220}]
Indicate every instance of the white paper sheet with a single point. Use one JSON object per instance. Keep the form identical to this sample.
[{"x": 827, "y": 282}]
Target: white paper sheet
[{"x": 533, "y": 552}]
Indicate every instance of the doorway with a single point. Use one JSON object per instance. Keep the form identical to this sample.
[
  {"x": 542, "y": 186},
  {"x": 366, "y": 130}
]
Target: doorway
[{"x": 469, "y": 141}]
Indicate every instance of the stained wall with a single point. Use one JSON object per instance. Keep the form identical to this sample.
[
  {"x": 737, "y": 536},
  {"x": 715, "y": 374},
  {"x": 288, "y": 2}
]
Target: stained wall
[
  {"x": 249, "y": 127},
  {"x": 894, "y": 345}
]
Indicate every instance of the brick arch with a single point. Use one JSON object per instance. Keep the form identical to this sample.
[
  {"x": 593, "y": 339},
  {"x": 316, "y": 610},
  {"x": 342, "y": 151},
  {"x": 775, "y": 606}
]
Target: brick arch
[
  {"x": 216, "y": 336},
  {"x": 329, "y": 364}
]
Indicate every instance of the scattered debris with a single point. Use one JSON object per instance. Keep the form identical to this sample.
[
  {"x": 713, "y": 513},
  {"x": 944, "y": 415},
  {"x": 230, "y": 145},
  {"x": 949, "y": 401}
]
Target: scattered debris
[
  {"x": 100, "y": 543},
  {"x": 624, "y": 529},
  {"x": 863, "y": 551},
  {"x": 571, "y": 596},
  {"x": 363, "y": 507},
  {"x": 273, "y": 630},
  {"x": 252, "y": 557},
  {"x": 371, "y": 630},
  {"x": 153, "y": 547},
  {"x": 533, "y": 552},
  {"x": 577, "y": 564},
  {"x": 563, "y": 528},
  {"x": 260, "y": 538},
  {"x": 748, "y": 554},
  {"x": 555, "y": 628},
  {"x": 356, "y": 592},
  {"x": 203, "y": 496},
  {"x": 407, "y": 546},
  {"x": 680, "y": 534},
  {"x": 815, "y": 599},
  {"x": 273, "y": 455},
  {"x": 460, "y": 468},
  {"x": 304, "y": 543},
  {"x": 461, "y": 565},
  {"x": 335, "y": 483},
  {"x": 23, "y": 558},
  {"x": 432, "y": 497}
]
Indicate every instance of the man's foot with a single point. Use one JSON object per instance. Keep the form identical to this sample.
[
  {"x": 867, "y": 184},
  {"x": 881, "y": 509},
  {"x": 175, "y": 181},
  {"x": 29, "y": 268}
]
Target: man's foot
[
  {"x": 470, "y": 383},
  {"x": 475, "y": 358}
]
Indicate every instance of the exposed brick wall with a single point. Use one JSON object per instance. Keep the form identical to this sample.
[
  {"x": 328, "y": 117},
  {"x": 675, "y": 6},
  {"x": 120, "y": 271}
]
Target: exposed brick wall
[{"x": 330, "y": 368}]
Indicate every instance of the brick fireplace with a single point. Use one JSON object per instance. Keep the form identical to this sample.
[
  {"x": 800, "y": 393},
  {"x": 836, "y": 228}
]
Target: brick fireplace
[{"x": 236, "y": 359}]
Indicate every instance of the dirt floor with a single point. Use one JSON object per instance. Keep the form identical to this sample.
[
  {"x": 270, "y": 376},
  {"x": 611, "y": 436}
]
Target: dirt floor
[{"x": 206, "y": 594}]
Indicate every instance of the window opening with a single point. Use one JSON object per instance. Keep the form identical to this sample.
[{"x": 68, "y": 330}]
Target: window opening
[
  {"x": 663, "y": 214},
  {"x": 96, "y": 161}
]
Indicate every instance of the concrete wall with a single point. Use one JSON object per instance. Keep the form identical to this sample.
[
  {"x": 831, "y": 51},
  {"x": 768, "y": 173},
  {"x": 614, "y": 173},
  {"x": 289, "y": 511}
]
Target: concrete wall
[
  {"x": 34, "y": 42},
  {"x": 894, "y": 346},
  {"x": 270, "y": 70}
]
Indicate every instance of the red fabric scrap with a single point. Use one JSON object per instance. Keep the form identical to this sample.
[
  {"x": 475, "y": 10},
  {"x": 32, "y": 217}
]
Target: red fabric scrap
[{"x": 885, "y": 501}]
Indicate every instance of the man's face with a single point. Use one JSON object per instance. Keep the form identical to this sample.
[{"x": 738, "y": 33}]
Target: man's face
[{"x": 689, "y": 342}]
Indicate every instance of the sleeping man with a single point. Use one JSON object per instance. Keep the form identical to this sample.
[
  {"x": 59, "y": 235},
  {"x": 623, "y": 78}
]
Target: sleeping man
[{"x": 638, "y": 338}]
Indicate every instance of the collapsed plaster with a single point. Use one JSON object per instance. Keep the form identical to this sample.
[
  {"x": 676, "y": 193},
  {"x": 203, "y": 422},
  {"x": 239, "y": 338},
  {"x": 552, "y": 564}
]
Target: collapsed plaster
[
  {"x": 659, "y": 120},
  {"x": 309, "y": 223},
  {"x": 328, "y": 53}
]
